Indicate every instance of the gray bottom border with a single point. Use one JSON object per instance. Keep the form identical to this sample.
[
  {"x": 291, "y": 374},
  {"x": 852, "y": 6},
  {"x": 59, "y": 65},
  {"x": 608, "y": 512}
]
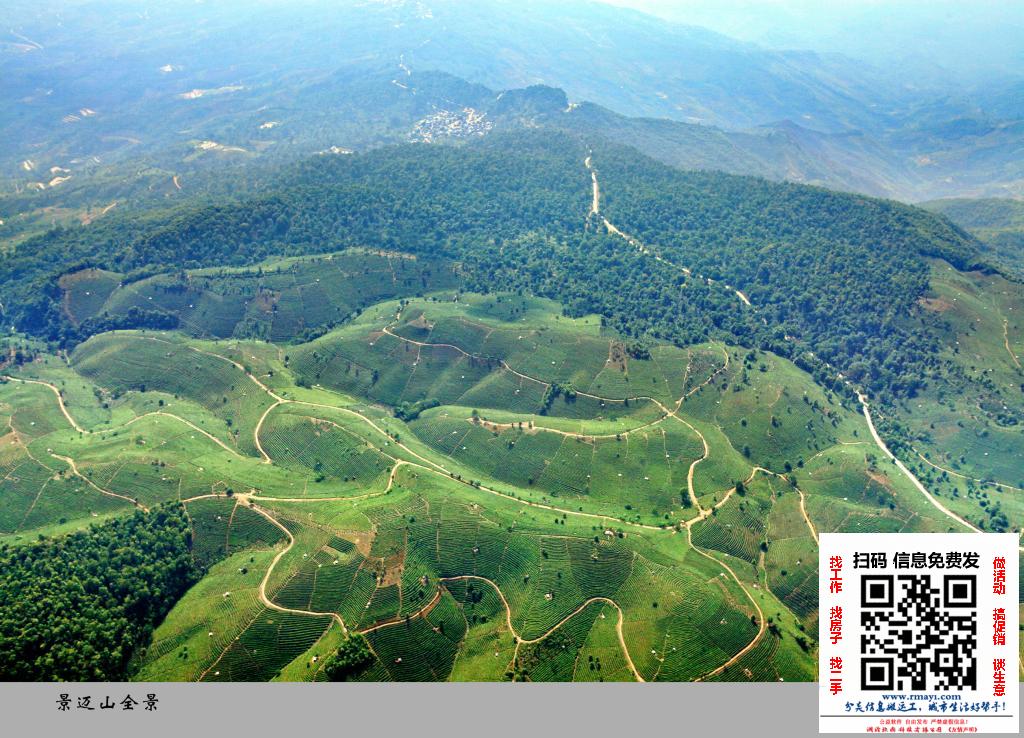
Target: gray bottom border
[{"x": 491, "y": 710}]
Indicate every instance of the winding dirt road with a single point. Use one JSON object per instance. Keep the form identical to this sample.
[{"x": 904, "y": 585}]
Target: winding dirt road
[
  {"x": 595, "y": 211},
  {"x": 74, "y": 470},
  {"x": 964, "y": 476},
  {"x": 136, "y": 419},
  {"x": 60, "y": 398},
  {"x": 267, "y": 602},
  {"x": 433, "y": 467},
  {"x": 560, "y": 623},
  {"x": 762, "y": 626},
  {"x": 902, "y": 467}
]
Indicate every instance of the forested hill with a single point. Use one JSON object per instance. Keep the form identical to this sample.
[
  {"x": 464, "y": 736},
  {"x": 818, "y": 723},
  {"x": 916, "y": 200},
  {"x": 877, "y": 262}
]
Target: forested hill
[{"x": 833, "y": 272}]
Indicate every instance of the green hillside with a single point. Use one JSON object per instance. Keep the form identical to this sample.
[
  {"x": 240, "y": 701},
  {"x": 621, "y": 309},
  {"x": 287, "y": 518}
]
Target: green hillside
[
  {"x": 481, "y": 486},
  {"x": 832, "y": 272},
  {"x": 531, "y": 408}
]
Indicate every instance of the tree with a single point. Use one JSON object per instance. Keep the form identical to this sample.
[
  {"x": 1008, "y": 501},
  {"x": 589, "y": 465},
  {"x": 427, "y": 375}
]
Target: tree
[
  {"x": 351, "y": 659},
  {"x": 76, "y": 608}
]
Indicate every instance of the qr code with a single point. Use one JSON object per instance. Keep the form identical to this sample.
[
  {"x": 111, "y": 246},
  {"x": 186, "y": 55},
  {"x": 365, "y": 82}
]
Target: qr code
[{"x": 919, "y": 632}]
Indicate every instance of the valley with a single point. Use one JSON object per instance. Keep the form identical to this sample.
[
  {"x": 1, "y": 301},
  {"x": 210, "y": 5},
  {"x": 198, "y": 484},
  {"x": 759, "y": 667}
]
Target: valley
[
  {"x": 606, "y": 462},
  {"x": 426, "y": 353}
]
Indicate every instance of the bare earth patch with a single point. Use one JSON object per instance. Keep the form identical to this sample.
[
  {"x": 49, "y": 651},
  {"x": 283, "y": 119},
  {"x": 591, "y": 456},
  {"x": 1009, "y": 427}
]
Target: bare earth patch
[{"x": 936, "y": 305}]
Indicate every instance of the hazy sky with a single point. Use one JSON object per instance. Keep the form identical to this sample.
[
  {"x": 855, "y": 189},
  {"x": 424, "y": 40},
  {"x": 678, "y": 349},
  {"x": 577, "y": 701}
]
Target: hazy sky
[{"x": 963, "y": 36}]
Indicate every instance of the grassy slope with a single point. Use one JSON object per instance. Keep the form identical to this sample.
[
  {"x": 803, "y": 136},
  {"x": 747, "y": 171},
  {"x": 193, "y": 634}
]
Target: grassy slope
[
  {"x": 971, "y": 433},
  {"x": 390, "y": 526}
]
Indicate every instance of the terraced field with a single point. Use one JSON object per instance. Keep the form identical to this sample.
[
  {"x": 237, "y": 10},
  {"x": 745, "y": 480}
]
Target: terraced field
[
  {"x": 966, "y": 446},
  {"x": 274, "y": 301},
  {"x": 478, "y": 487}
]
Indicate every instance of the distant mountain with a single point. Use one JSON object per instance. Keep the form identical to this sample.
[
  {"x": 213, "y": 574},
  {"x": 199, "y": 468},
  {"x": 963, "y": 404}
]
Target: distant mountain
[
  {"x": 174, "y": 90},
  {"x": 997, "y": 223},
  {"x": 850, "y": 160},
  {"x": 947, "y": 41},
  {"x": 631, "y": 62}
]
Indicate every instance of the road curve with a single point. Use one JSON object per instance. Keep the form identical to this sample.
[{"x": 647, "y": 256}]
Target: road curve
[{"x": 902, "y": 467}]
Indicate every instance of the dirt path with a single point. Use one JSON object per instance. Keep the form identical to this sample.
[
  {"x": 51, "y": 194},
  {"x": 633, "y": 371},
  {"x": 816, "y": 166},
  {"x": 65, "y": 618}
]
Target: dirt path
[
  {"x": 516, "y": 425},
  {"x": 595, "y": 210},
  {"x": 800, "y": 492},
  {"x": 74, "y": 470},
  {"x": 267, "y": 602},
  {"x": 502, "y": 363},
  {"x": 435, "y": 468},
  {"x": 807, "y": 519},
  {"x": 377, "y": 428},
  {"x": 552, "y": 629},
  {"x": 397, "y": 619},
  {"x": 256, "y": 432},
  {"x": 180, "y": 419},
  {"x": 707, "y": 448},
  {"x": 964, "y": 476},
  {"x": 838, "y": 443},
  {"x": 595, "y": 203},
  {"x": 902, "y": 467},
  {"x": 693, "y": 467},
  {"x": 637, "y": 398},
  {"x": 605, "y": 519},
  {"x": 233, "y": 363},
  {"x": 1006, "y": 342},
  {"x": 88, "y": 219},
  {"x": 705, "y": 512},
  {"x": 762, "y": 625},
  {"x": 666, "y": 411},
  {"x": 60, "y": 399},
  {"x": 136, "y": 419},
  {"x": 278, "y": 400},
  {"x": 351, "y": 498},
  {"x": 208, "y": 496}
]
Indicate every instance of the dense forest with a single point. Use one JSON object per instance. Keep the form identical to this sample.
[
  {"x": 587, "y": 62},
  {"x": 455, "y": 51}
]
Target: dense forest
[
  {"x": 827, "y": 273},
  {"x": 75, "y": 608},
  {"x": 836, "y": 271}
]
